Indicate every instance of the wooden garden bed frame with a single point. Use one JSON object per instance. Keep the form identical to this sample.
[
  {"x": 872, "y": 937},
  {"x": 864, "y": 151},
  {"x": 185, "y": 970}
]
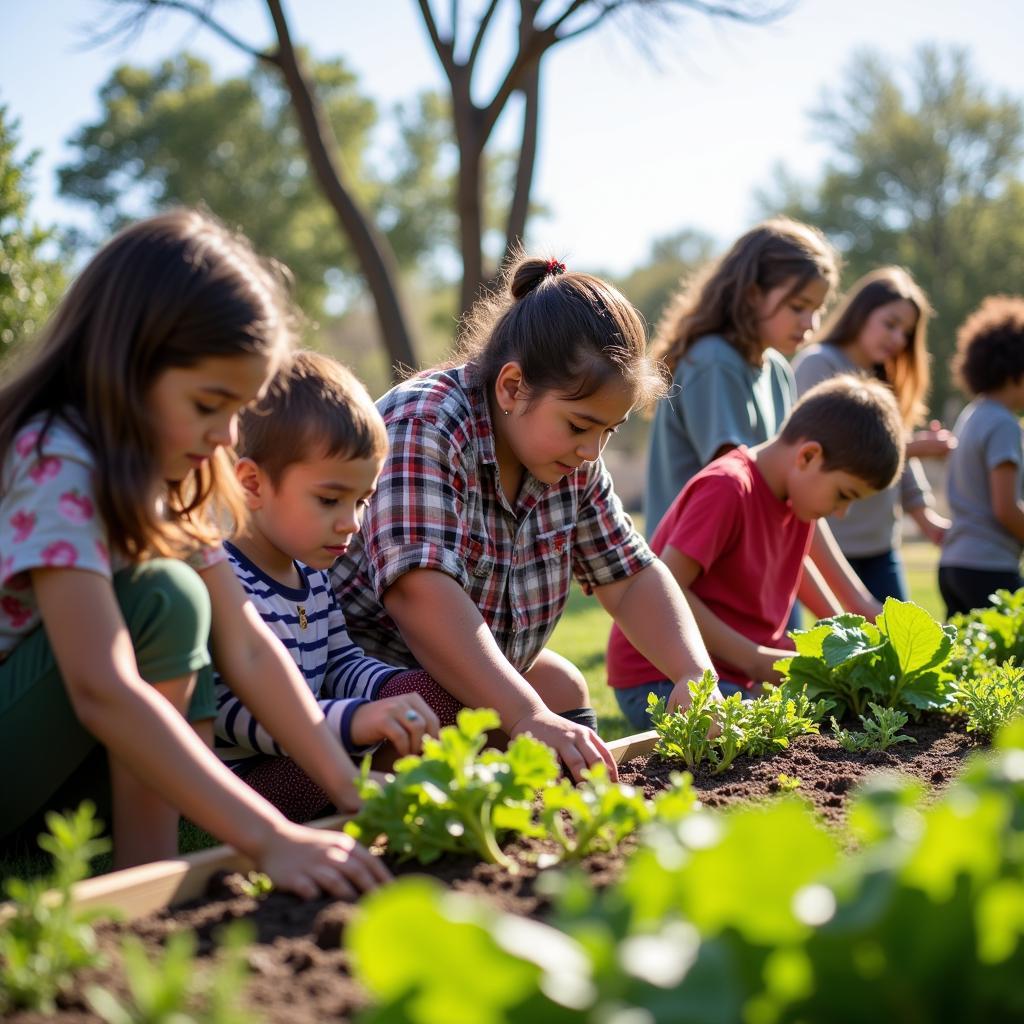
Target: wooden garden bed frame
[{"x": 135, "y": 892}]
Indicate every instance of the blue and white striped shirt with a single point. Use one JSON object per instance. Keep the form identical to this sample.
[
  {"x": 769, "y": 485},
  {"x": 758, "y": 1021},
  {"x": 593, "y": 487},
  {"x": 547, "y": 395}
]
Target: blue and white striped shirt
[{"x": 309, "y": 622}]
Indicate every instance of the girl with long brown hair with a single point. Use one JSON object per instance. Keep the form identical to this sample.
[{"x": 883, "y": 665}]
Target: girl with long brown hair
[
  {"x": 115, "y": 486},
  {"x": 881, "y": 330},
  {"x": 726, "y": 338}
]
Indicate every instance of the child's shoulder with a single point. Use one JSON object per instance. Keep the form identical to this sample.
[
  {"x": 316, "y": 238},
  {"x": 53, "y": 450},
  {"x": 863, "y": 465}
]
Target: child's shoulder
[
  {"x": 712, "y": 349},
  {"x": 440, "y": 396},
  {"x": 51, "y": 437},
  {"x": 731, "y": 473}
]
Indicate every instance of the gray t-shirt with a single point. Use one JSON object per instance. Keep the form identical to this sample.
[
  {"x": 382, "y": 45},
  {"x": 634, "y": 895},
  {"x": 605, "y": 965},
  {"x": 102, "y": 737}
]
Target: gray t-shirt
[
  {"x": 718, "y": 399},
  {"x": 871, "y": 526},
  {"x": 988, "y": 435}
]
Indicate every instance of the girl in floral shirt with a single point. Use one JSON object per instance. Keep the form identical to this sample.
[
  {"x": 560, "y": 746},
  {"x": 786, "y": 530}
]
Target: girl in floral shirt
[{"x": 114, "y": 481}]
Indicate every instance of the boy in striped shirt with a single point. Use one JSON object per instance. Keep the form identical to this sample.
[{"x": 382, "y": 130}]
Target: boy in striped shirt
[{"x": 309, "y": 455}]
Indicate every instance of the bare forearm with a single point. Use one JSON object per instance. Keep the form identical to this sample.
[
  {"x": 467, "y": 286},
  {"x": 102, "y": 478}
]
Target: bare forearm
[
  {"x": 142, "y": 730},
  {"x": 838, "y": 575},
  {"x": 659, "y": 620},
  {"x": 273, "y": 691},
  {"x": 816, "y": 594},
  {"x": 448, "y": 637},
  {"x": 1012, "y": 520}
]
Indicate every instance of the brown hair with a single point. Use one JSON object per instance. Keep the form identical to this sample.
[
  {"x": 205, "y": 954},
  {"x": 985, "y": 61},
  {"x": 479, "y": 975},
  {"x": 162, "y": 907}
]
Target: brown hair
[
  {"x": 164, "y": 293},
  {"x": 569, "y": 332},
  {"x": 908, "y": 376},
  {"x": 990, "y": 345},
  {"x": 718, "y": 300},
  {"x": 313, "y": 405},
  {"x": 857, "y": 423}
]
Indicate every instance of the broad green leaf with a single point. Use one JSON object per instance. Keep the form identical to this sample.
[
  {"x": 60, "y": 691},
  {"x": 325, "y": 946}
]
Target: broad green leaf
[{"x": 918, "y": 640}]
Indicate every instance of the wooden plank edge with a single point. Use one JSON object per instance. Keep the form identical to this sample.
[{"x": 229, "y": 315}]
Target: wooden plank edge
[{"x": 135, "y": 892}]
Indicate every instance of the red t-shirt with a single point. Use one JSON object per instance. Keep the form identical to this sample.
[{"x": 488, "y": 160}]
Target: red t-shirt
[{"x": 750, "y": 548}]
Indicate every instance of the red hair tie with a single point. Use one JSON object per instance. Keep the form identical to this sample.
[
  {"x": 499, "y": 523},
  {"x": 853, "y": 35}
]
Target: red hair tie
[{"x": 554, "y": 267}]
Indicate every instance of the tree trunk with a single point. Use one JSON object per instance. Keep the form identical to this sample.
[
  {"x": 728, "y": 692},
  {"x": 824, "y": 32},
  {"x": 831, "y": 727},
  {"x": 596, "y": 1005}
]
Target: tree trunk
[
  {"x": 372, "y": 249},
  {"x": 470, "y": 187},
  {"x": 519, "y": 211}
]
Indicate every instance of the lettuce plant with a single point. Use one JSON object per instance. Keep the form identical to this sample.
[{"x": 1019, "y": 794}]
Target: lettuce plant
[
  {"x": 47, "y": 941},
  {"x": 991, "y": 635},
  {"x": 899, "y": 661},
  {"x": 457, "y": 797},
  {"x": 881, "y": 731}
]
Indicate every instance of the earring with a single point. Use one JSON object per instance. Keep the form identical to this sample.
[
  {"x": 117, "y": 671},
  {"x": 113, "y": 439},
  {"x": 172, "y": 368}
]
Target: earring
[{"x": 505, "y": 411}]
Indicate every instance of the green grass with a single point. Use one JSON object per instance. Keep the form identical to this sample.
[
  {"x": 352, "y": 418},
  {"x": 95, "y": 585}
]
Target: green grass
[{"x": 581, "y": 636}]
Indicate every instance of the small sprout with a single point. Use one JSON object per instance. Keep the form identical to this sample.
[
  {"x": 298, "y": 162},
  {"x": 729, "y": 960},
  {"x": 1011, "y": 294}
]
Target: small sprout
[
  {"x": 880, "y": 731},
  {"x": 257, "y": 885},
  {"x": 787, "y": 783}
]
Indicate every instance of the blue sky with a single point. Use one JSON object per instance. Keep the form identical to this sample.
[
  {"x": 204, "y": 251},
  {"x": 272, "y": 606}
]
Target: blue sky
[{"x": 629, "y": 150}]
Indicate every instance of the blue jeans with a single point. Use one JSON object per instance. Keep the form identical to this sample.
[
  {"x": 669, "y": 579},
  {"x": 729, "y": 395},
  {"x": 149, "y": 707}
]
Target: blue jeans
[
  {"x": 633, "y": 699},
  {"x": 881, "y": 574}
]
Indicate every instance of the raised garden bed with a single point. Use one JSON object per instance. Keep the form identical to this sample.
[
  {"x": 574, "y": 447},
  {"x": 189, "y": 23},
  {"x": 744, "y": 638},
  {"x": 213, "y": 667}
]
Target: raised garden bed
[{"x": 298, "y": 970}]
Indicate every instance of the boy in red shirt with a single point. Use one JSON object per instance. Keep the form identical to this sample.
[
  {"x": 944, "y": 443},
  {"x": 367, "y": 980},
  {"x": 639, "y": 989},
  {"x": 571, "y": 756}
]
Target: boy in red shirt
[{"x": 736, "y": 536}]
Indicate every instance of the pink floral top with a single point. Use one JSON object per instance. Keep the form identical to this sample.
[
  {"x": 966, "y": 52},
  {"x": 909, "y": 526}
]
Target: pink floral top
[{"x": 49, "y": 517}]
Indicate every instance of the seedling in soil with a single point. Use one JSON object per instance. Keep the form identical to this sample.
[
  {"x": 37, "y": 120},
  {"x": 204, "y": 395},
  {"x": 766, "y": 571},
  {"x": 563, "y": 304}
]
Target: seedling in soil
[
  {"x": 880, "y": 731},
  {"x": 457, "y": 797},
  {"x": 47, "y": 941},
  {"x": 171, "y": 990},
  {"x": 599, "y": 813},
  {"x": 787, "y": 783},
  {"x": 257, "y": 885},
  {"x": 683, "y": 734}
]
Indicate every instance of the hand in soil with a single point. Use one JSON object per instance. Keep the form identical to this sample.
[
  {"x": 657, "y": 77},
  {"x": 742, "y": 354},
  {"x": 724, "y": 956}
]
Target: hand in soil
[
  {"x": 577, "y": 746},
  {"x": 401, "y": 721},
  {"x": 306, "y": 861}
]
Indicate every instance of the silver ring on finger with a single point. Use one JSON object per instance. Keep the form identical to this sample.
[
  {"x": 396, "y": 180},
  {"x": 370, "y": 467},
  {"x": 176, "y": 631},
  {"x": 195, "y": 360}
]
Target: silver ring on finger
[{"x": 412, "y": 716}]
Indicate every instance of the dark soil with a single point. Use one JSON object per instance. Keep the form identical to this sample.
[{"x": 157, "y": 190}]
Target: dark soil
[{"x": 300, "y": 974}]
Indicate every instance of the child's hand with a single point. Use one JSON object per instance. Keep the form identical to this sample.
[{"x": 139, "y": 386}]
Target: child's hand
[
  {"x": 935, "y": 442},
  {"x": 306, "y": 861},
  {"x": 400, "y": 720},
  {"x": 932, "y": 525}
]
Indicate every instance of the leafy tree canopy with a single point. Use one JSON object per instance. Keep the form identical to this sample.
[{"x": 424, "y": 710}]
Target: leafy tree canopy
[
  {"x": 925, "y": 172},
  {"x": 31, "y": 268}
]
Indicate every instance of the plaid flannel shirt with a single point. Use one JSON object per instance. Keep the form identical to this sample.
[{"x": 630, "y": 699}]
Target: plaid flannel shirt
[{"x": 439, "y": 505}]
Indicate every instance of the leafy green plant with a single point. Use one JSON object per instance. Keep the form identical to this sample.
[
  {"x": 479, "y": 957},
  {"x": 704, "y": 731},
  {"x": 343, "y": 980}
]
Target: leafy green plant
[
  {"x": 991, "y": 635},
  {"x": 923, "y": 921},
  {"x": 47, "y": 941},
  {"x": 683, "y": 733},
  {"x": 599, "y": 813},
  {"x": 755, "y": 727},
  {"x": 781, "y": 714},
  {"x": 170, "y": 989},
  {"x": 788, "y": 783},
  {"x": 457, "y": 797},
  {"x": 881, "y": 731},
  {"x": 991, "y": 697},
  {"x": 900, "y": 661}
]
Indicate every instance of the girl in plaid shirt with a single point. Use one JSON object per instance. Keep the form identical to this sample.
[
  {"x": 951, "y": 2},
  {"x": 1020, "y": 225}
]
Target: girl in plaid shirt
[{"x": 494, "y": 497}]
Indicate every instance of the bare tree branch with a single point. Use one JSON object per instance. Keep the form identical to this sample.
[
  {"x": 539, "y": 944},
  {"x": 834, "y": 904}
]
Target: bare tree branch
[
  {"x": 481, "y": 31},
  {"x": 445, "y": 48},
  {"x": 133, "y": 23}
]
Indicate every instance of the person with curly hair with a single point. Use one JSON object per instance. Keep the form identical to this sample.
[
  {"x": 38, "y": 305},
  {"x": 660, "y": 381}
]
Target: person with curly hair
[{"x": 986, "y": 470}]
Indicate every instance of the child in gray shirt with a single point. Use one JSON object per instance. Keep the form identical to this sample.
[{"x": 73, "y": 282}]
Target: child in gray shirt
[{"x": 983, "y": 547}]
